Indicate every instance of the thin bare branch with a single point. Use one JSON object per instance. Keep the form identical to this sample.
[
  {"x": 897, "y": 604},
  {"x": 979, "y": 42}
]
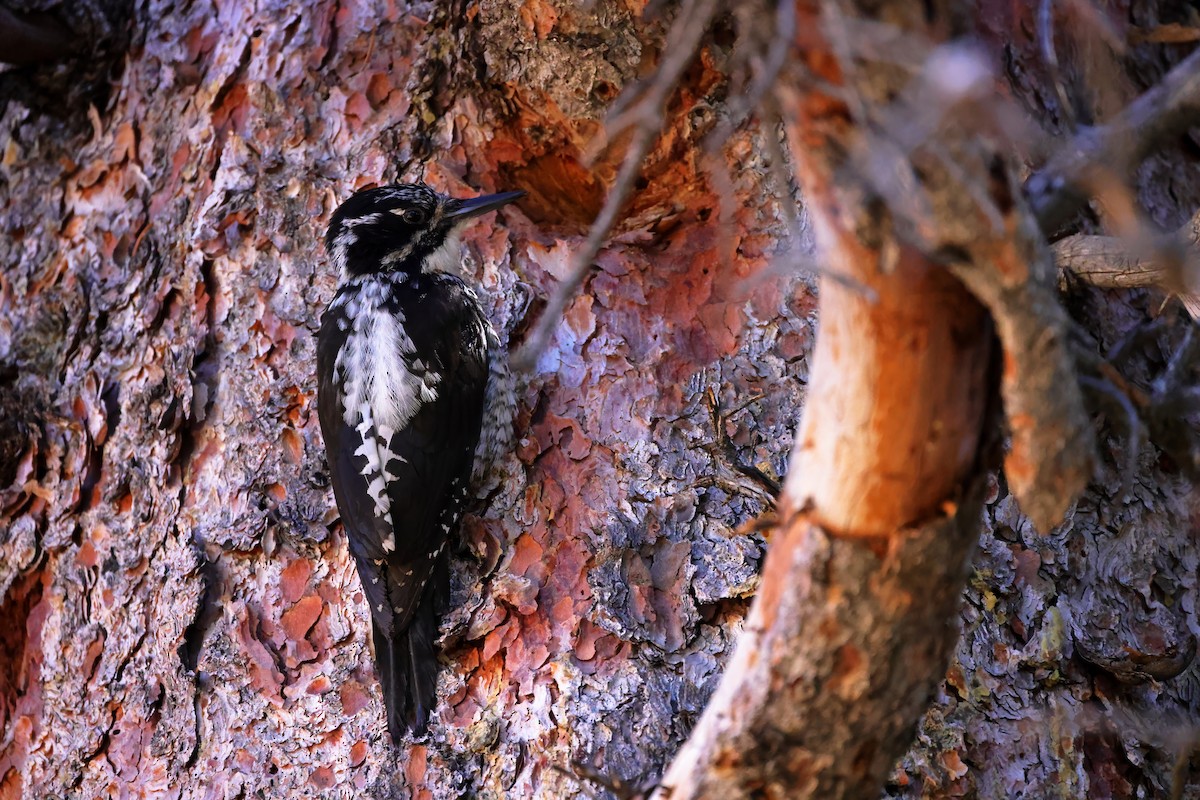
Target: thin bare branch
[
  {"x": 645, "y": 105},
  {"x": 1045, "y": 24},
  {"x": 1105, "y": 261},
  {"x": 772, "y": 125},
  {"x": 791, "y": 261},
  {"x": 744, "y": 105},
  {"x": 1112, "y": 262},
  {"x": 647, "y": 114},
  {"x": 1183, "y": 359},
  {"x": 1063, "y": 185},
  {"x": 1129, "y": 417},
  {"x": 833, "y": 21},
  {"x": 723, "y": 447},
  {"x": 1170, "y": 33},
  {"x": 527, "y": 356}
]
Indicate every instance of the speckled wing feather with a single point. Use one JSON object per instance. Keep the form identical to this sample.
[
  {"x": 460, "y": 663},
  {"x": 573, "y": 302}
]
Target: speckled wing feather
[{"x": 430, "y": 485}]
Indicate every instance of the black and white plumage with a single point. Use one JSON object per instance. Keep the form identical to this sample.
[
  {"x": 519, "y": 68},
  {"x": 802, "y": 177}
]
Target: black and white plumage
[{"x": 407, "y": 369}]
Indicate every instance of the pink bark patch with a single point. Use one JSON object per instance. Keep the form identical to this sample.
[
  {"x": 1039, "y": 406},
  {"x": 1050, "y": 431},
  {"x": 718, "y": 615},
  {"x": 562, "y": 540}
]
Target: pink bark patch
[
  {"x": 298, "y": 619},
  {"x": 294, "y": 579},
  {"x": 319, "y": 685},
  {"x": 415, "y": 766},
  {"x": 526, "y": 553},
  {"x": 354, "y": 698},
  {"x": 358, "y": 753},
  {"x": 264, "y": 677},
  {"x": 322, "y": 778}
]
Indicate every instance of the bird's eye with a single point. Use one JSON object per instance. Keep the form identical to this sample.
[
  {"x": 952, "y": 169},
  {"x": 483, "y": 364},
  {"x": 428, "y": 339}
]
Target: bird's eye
[{"x": 413, "y": 216}]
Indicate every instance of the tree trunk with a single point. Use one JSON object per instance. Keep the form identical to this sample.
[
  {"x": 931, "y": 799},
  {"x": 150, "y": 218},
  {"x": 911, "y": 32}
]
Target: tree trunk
[{"x": 179, "y": 615}]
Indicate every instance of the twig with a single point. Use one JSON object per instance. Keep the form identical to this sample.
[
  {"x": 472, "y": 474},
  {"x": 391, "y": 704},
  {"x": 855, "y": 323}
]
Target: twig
[
  {"x": 724, "y": 447},
  {"x": 743, "y": 105},
  {"x": 1179, "y": 363},
  {"x": 580, "y": 779},
  {"x": 833, "y": 22},
  {"x": 1062, "y": 186},
  {"x": 1170, "y": 33},
  {"x": 1090, "y": 16},
  {"x": 1179, "y": 403},
  {"x": 771, "y": 126},
  {"x": 1045, "y": 24},
  {"x": 1105, "y": 261},
  {"x": 1114, "y": 263},
  {"x": 1112, "y": 392},
  {"x": 912, "y": 128},
  {"x": 763, "y": 525},
  {"x": 583, "y": 774},
  {"x": 683, "y": 38},
  {"x": 790, "y": 260},
  {"x": 527, "y": 356},
  {"x": 647, "y": 114}
]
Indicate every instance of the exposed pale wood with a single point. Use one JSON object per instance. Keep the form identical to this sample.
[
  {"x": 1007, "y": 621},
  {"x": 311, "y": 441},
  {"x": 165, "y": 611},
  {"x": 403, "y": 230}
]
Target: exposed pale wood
[
  {"x": 1111, "y": 262},
  {"x": 893, "y": 420}
]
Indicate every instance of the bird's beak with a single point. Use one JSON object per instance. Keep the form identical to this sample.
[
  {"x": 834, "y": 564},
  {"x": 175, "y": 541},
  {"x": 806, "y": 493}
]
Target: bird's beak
[{"x": 461, "y": 210}]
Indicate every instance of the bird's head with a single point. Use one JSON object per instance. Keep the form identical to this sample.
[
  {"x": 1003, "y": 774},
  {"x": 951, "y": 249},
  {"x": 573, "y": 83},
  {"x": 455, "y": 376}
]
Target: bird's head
[{"x": 404, "y": 227}]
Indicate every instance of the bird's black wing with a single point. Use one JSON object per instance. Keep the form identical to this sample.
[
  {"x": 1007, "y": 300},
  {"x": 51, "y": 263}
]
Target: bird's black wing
[
  {"x": 366, "y": 530},
  {"x": 427, "y": 483}
]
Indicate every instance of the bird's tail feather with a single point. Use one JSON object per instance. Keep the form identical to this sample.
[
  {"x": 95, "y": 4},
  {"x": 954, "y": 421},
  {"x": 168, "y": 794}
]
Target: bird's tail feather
[{"x": 408, "y": 668}]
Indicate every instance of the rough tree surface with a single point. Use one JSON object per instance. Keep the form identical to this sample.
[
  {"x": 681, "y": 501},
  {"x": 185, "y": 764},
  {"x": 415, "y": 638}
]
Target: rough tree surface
[{"x": 179, "y": 615}]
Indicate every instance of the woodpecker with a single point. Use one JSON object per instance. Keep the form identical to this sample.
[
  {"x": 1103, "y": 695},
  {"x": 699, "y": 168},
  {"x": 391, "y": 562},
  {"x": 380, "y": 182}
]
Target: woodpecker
[{"x": 409, "y": 376}]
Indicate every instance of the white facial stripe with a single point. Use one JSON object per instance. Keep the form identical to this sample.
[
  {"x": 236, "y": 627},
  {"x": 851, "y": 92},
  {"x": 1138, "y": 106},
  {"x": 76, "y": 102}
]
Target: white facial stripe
[
  {"x": 396, "y": 256},
  {"x": 448, "y": 257},
  {"x": 365, "y": 219},
  {"x": 339, "y": 251}
]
